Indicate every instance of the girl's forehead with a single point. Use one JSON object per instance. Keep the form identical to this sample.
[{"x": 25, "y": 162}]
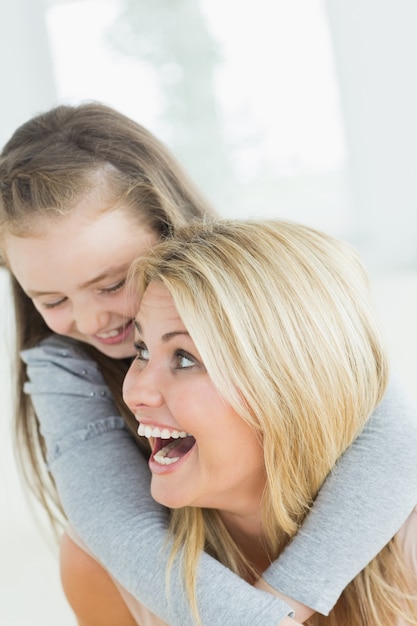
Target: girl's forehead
[{"x": 73, "y": 247}]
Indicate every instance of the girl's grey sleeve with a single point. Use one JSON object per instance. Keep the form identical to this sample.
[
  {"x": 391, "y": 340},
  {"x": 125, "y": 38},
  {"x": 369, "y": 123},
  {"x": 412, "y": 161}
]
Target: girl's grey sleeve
[
  {"x": 363, "y": 503},
  {"x": 104, "y": 485}
]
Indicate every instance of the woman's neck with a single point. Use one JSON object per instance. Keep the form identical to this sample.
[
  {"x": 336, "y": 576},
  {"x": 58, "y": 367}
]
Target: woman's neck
[{"x": 247, "y": 532}]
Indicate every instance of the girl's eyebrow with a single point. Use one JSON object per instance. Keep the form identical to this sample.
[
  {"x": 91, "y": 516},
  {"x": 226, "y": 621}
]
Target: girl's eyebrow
[
  {"x": 106, "y": 274},
  {"x": 33, "y": 293},
  {"x": 167, "y": 336}
]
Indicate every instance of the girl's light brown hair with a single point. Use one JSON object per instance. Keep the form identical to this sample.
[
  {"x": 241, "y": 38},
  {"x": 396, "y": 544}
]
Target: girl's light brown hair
[{"x": 47, "y": 166}]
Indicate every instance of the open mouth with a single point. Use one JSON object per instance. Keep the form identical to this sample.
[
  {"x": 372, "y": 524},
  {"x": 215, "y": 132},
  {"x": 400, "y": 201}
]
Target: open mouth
[
  {"x": 166, "y": 453},
  {"x": 168, "y": 446}
]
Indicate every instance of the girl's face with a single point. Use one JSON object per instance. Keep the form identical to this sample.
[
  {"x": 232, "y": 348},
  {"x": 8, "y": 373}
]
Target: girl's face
[
  {"x": 74, "y": 270},
  {"x": 203, "y": 453}
]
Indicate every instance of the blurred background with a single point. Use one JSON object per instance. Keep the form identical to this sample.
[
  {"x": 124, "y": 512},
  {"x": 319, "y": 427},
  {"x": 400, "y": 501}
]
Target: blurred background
[{"x": 302, "y": 109}]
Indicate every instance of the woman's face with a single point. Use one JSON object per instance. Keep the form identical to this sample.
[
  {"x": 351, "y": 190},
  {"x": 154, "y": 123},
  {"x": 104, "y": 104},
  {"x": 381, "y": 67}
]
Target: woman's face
[
  {"x": 203, "y": 453},
  {"x": 74, "y": 270}
]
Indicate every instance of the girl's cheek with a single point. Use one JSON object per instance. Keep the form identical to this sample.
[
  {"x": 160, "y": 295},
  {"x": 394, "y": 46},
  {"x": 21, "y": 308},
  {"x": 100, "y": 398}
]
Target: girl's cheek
[
  {"x": 56, "y": 322},
  {"x": 49, "y": 319},
  {"x": 41, "y": 310}
]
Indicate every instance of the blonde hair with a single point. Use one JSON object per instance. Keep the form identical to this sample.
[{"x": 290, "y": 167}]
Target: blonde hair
[
  {"x": 281, "y": 316},
  {"x": 47, "y": 166}
]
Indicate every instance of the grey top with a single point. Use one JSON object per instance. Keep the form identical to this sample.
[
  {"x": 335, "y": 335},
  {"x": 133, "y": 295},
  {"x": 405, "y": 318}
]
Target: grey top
[{"x": 103, "y": 482}]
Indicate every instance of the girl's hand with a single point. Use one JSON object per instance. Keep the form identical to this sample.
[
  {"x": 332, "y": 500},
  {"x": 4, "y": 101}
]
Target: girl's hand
[{"x": 302, "y": 612}]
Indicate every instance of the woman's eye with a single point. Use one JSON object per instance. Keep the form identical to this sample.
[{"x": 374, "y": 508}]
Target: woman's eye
[
  {"x": 115, "y": 287},
  {"x": 52, "y": 305},
  {"x": 142, "y": 352},
  {"x": 184, "y": 360}
]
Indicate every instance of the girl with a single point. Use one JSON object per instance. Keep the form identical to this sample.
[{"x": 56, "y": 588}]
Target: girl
[{"x": 83, "y": 191}]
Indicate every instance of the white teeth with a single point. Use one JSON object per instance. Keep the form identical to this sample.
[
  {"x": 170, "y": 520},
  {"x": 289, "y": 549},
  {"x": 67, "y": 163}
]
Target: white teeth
[
  {"x": 153, "y": 431},
  {"x": 110, "y": 333},
  {"x": 113, "y": 333},
  {"x": 161, "y": 456},
  {"x": 163, "y": 433},
  {"x": 165, "y": 460}
]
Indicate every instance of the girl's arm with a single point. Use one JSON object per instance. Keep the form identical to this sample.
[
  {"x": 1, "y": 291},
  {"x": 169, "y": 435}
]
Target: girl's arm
[
  {"x": 361, "y": 506},
  {"x": 104, "y": 486}
]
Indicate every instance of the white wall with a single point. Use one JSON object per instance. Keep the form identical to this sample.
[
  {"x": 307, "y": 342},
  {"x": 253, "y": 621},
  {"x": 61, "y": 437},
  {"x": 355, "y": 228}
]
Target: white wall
[
  {"x": 376, "y": 50},
  {"x": 30, "y": 591},
  {"x": 27, "y": 83}
]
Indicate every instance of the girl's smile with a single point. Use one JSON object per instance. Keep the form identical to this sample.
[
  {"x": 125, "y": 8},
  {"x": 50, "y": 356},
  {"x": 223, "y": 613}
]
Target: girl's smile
[
  {"x": 74, "y": 270},
  {"x": 117, "y": 335}
]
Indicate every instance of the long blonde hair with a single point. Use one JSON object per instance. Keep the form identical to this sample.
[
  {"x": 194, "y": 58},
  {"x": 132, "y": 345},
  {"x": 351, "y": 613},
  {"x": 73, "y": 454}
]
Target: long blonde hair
[
  {"x": 281, "y": 316},
  {"x": 47, "y": 166}
]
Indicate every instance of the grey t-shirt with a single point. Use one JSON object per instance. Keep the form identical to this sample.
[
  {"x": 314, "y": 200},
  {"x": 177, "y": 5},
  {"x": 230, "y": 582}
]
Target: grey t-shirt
[{"x": 103, "y": 482}]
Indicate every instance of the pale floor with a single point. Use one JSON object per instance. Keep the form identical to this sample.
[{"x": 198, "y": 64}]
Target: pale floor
[{"x": 30, "y": 593}]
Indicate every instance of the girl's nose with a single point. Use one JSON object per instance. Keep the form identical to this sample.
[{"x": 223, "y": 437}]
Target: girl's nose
[
  {"x": 142, "y": 388},
  {"x": 90, "y": 321}
]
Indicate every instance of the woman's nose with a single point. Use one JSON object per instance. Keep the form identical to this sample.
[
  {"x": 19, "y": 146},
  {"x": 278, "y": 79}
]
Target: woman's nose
[{"x": 142, "y": 388}]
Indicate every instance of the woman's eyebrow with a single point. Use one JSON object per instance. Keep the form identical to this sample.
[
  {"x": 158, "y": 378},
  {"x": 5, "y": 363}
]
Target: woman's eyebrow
[
  {"x": 167, "y": 336},
  {"x": 174, "y": 333}
]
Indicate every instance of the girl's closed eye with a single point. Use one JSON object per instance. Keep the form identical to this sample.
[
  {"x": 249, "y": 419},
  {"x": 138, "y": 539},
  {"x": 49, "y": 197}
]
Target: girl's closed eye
[
  {"x": 52, "y": 305},
  {"x": 114, "y": 288}
]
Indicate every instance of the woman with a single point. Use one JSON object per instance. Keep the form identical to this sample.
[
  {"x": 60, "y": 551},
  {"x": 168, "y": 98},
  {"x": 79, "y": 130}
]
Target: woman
[
  {"x": 83, "y": 191},
  {"x": 258, "y": 363}
]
